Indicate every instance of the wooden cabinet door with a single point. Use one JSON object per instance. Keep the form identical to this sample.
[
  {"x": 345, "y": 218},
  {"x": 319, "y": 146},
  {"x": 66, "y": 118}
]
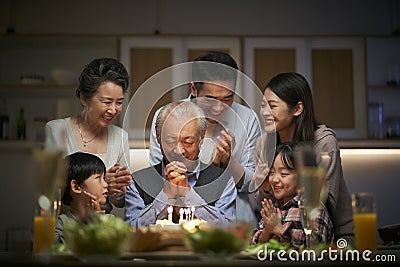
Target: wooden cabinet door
[
  {"x": 338, "y": 84},
  {"x": 266, "y": 57}
]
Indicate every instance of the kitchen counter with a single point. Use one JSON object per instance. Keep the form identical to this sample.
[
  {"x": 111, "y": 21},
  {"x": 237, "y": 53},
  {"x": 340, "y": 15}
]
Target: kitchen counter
[
  {"x": 15, "y": 259},
  {"x": 140, "y": 144},
  {"x": 344, "y": 143},
  {"x": 370, "y": 143}
]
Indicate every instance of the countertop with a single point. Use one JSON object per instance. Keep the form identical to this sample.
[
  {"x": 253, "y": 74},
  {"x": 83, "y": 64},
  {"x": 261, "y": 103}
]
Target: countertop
[
  {"x": 369, "y": 143},
  {"x": 344, "y": 143},
  {"x": 140, "y": 144},
  {"x": 15, "y": 259}
]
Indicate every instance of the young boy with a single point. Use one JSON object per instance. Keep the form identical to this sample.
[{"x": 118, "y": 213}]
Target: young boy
[
  {"x": 283, "y": 221},
  {"x": 85, "y": 190}
]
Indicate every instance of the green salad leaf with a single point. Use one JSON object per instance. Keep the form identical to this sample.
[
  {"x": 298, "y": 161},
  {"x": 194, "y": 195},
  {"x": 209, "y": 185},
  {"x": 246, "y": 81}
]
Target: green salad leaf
[
  {"x": 215, "y": 241},
  {"x": 272, "y": 244},
  {"x": 101, "y": 234}
]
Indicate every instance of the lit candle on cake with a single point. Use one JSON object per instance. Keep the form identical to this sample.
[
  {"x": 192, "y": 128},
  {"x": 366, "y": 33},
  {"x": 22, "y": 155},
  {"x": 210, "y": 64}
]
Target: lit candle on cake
[
  {"x": 187, "y": 212},
  {"x": 192, "y": 210},
  {"x": 181, "y": 211},
  {"x": 170, "y": 209}
]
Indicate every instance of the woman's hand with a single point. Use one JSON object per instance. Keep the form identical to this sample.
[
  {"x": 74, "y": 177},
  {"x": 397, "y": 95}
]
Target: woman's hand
[
  {"x": 272, "y": 220},
  {"x": 224, "y": 148},
  {"x": 260, "y": 176},
  {"x": 118, "y": 179}
]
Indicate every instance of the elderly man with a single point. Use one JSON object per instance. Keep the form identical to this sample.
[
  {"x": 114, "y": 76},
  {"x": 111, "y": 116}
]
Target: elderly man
[
  {"x": 180, "y": 179},
  {"x": 232, "y": 128}
]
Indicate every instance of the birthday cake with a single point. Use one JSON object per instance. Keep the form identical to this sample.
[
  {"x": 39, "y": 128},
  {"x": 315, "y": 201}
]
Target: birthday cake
[
  {"x": 168, "y": 224},
  {"x": 172, "y": 234},
  {"x": 186, "y": 215}
]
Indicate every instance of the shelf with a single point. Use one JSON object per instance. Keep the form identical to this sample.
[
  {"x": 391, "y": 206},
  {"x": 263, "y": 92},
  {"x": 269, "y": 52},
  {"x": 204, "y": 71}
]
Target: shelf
[
  {"x": 379, "y": 87},
  {"x": 37, "y": 90},
  {"x": 15, "y": 144}
]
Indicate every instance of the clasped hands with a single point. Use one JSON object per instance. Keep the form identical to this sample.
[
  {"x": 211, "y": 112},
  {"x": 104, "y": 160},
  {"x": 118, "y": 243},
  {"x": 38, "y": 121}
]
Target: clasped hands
[
  {"x": 176, "y": 180},
  {"x": 118, "y": 179},
  {"x": 272, "y": 219}
]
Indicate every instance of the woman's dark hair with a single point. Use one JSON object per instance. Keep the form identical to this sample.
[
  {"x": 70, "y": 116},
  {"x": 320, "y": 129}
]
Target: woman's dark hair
[
  {"x": 214, "y": 72},
  {"x": 80, "y": 166},
  {"x": 293, "y": 88},
  {"x": 101, "y": 70}
]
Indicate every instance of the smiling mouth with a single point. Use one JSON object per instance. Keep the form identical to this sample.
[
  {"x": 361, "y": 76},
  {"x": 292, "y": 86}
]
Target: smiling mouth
[
  {"x": 107, "y": 118},
  {"x": 277, "y": 188}
]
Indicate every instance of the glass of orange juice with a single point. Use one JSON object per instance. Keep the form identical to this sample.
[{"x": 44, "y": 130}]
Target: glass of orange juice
[
  {"x": 44, "y": 233},
  {"x": 44, "y": 225},
  {"x": 365, "y": 225},
  {"x": 50, "y": 172}
]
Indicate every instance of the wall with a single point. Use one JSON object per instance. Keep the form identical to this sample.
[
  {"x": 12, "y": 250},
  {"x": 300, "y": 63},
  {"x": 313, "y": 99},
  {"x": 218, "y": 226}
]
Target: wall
[
  {"x": 126, "y": 17},
  {"x": 260, "y": 17},
  {"x": 374, "y": 170},
  {"x": 383, "y": 61},
  {"x": 17, "y": 191}
]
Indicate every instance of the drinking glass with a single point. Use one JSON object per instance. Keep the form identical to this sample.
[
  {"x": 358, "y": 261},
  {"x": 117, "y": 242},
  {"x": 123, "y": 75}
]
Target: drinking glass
[
  {"x": 312, "y": 185},
  {"x": 50, "y": 172},
  {"x": 364, "y": 216},
  {"x": 44, "y": 228}
]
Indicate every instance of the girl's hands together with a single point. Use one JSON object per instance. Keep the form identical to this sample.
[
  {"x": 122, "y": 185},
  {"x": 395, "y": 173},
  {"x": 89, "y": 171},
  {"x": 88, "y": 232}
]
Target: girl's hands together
[{"x": 272, "y": 220}]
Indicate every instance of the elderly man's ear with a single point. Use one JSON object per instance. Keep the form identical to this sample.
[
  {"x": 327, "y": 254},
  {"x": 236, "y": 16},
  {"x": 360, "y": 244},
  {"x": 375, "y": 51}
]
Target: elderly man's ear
[
  {"x": 158, "y": 139},
  {"x": 202, "y": 135}
]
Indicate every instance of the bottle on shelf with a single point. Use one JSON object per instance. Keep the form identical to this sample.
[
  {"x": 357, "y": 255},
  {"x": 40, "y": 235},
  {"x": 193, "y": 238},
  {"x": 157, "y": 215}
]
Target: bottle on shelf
[
  {"x": 21, "y": 125},
  {"x": 4, "y": 121}
]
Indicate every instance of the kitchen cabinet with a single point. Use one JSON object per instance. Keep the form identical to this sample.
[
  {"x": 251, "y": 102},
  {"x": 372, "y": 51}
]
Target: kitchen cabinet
[
  {"x": 26, "y": 64},
  {"x": 383, "y": 72},
  {"x": 334, "y": 67}
]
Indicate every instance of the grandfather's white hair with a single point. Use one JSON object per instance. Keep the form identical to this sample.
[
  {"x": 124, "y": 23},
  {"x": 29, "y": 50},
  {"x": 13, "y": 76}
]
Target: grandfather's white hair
[{"x": 183, "y": 110}]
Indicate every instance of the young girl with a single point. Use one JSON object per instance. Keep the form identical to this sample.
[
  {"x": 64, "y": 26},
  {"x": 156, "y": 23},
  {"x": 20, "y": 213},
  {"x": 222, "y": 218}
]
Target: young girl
[
  {"x": 85, "y": 190},
  {"x": 291, "y": 111},
  {"x": 284, "y": 221}
]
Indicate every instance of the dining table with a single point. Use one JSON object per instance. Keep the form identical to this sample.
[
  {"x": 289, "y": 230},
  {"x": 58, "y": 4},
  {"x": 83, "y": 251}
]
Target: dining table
[{"x": 179, "y": 258}]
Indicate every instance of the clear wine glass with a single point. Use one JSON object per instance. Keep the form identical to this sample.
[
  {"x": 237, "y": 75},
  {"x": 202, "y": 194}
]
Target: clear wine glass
[{"x": 312, "y": 186}]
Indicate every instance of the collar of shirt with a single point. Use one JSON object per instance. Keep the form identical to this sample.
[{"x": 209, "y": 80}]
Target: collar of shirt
[{"x": 292, "y": 203}]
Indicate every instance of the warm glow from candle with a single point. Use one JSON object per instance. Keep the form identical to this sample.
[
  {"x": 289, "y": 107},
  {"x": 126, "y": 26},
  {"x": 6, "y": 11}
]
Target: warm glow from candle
[
  {"x": 170, "y": 209},
  {"x": 192, "y": 210}
]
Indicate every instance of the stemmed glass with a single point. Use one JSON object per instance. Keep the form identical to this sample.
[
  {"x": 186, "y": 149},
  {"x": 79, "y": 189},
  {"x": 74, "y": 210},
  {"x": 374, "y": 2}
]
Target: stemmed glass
[{"x": 312, "y": 185}]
